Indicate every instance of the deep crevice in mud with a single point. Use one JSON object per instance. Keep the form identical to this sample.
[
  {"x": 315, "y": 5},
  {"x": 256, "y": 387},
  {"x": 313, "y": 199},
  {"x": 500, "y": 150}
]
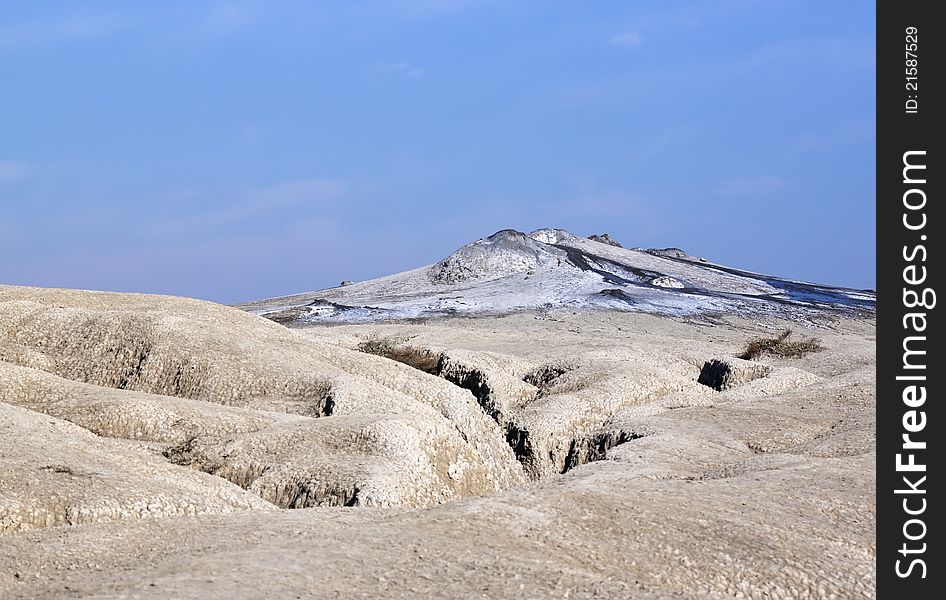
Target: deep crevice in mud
[
  {"x": 184, "y": 454},
  {"x": 593, "y": 448},
  {"x": 475, "y": 381},
  {"x": 547, "y": 380},
  {"x": 722, "y": 374},
  {"x": 289, "y": 494},
  {"x": 545, "y": 377},
  {"x": 421, "y": 359},
  {"x": 327, "y": 406},
  {"x": 518, "y": 440},
  {"x": 353, "y": 499},
  {"x": 471, "y": 379},
  {"x": 311, "y": 494}
]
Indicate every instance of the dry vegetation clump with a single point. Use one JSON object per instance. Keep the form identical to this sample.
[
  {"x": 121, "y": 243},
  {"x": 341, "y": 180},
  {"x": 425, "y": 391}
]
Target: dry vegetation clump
[
  {"x": 419, "y": 358},
  {"x": 780, "y": 346}
]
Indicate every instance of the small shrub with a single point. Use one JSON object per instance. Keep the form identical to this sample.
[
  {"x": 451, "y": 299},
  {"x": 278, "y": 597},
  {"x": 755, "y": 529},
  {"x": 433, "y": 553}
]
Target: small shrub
[
  {"x": 379, "y": 347},
  {"x": 780, "y": 346},
  {"x": 59, "y": 469}
]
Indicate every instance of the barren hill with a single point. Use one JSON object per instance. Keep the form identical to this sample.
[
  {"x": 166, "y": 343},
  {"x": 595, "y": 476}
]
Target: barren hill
[{"x": 550, "y": 269}]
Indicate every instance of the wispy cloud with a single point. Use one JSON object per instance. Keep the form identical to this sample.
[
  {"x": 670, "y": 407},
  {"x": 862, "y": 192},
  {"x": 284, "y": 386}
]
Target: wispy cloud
[
  {"x": 409, "y": 9},
  {"x": 251, "y": 135},
  {"x": 827, "y": 51},
  {"x": 605, "y": 203},
  {"x": 12, "y": 170},
  {"x": 751, "y": 185},
  {"x": 407, "y": 69},
  {"x": 231, "y": 17},
  {"x": 828, "y": 139},
  {"x": 628, "y": 39},
  {"x": 55, "y": 31},
  {"x": 288, "y": 200},
  {"x": 592, "y": 208},
  {"x": 303, "y": 193},
  {"x": 661, "y": 141}
]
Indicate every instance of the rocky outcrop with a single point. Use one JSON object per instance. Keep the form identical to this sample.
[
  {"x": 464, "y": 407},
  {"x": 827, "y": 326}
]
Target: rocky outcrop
[
  {"x": 553, "y": 236},
  {"x": 667, "y": 252},
  {"x": 605, "y": 239},
  {"x": 667, "y": 282}
]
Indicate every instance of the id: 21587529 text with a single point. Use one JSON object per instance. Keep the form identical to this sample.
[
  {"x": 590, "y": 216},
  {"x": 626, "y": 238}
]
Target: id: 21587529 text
[{"x": 911, "y": 59}]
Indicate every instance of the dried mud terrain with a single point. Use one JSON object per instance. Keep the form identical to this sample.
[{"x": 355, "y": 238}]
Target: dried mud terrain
[{"x": 158, "y": 447}]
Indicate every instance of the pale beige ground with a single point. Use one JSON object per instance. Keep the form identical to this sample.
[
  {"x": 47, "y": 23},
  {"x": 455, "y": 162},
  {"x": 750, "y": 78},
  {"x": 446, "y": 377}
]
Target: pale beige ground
[{"x": 146, "y": 443}]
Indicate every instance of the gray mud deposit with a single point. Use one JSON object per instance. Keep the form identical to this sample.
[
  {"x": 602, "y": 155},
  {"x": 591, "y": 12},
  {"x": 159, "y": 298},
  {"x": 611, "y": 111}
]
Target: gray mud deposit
[{"x": 158, "y": 447}]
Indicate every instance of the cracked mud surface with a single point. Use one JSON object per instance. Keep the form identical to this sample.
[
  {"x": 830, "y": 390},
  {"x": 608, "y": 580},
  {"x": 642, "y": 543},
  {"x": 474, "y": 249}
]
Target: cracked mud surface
[{"x": 158, "y": 447}]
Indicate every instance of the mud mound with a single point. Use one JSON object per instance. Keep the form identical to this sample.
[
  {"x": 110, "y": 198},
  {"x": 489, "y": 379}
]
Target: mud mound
[
  {"x": 672, "y": 488},
  {"x": 374, "y": 460},
  {"x": 128, "y": 414},
  {"x": 55, "y": 473},
  {"x": 187, "y": 349},
  {"x": 175, "y": 371},
  {"x": 503, "y": 253},
  {"x": 551, "y": 269},
  {"x": 416, "y": 459}
]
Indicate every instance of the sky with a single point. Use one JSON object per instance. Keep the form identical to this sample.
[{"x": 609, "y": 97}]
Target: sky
[{"x": 241, "y": 150}]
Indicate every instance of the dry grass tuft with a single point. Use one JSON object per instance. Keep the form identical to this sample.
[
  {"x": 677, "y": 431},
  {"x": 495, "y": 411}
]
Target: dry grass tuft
[{"x": 780, "y": 346}]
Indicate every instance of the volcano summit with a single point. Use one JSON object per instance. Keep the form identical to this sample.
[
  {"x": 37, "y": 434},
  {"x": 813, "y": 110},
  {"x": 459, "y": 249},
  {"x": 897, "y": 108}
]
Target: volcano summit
[{"x": 550, "y": 269}]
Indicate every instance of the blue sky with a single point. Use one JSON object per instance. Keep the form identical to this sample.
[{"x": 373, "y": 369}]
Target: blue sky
[{"x": 238, "y": 150}]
